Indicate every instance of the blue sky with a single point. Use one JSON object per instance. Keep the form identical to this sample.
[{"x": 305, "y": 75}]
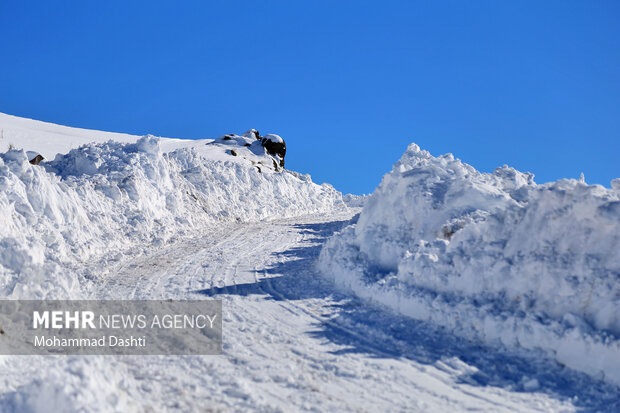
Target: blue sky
[{"x": 348, "y": 84}]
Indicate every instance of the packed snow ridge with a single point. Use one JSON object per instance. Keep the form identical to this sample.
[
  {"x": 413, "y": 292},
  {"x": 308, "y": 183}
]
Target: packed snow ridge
[
  {"x": 101, "y": 200},
  {"x": 491, "y": 256}
]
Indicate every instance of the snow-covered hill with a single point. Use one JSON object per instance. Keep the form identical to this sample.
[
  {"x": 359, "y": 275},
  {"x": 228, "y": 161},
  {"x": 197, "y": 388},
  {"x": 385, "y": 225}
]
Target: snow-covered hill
[
  {"x": 107, "y": 197},
  {"x": 492, "y": 257}
]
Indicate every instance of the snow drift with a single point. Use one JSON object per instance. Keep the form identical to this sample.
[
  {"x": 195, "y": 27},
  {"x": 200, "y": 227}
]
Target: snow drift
[
  {"x": 494, "y": 257},
  {"x": 103, "y": 199}
]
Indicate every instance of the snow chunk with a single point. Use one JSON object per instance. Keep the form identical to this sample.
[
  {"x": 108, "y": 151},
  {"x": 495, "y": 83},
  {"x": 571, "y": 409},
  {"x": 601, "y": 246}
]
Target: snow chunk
[{"x": 273, "y": 138}]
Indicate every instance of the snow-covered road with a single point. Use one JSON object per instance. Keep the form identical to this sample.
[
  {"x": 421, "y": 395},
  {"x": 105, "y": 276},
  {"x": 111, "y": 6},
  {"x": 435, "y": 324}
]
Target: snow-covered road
[{"x": 290, "y": 343}]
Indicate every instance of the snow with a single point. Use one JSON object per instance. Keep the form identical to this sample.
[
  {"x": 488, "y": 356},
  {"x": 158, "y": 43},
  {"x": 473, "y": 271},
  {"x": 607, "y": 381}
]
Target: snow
[
  {"x": 291, "y": 343},
  {"x": 355, "y": 201},
  {"x": 492, "y": 257},
  {"x": 273, "y": 138},
  {"x": 90, "y": 384},
  {"x": 116, "y": 216},
  {"x": 102, "y": 200},
  {"x": 245, "y": 147},
  {"x": 49, "y": 139}
]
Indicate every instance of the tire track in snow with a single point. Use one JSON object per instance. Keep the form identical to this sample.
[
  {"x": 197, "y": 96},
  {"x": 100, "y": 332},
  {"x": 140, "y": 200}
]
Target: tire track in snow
[{"x": 271, "y": 323}]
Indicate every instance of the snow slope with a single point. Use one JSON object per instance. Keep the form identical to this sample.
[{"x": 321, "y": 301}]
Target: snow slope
[
  {"x": 103, "y": 199},
  {"x": 49, "y": 140},
  {"x": 491, "y": 256}
]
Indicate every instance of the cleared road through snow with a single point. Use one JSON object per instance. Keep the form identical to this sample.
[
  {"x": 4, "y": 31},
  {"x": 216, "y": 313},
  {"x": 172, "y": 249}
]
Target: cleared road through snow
[
  {"x": 289, "y": 340},
  {"x": 291, "y": 343}
]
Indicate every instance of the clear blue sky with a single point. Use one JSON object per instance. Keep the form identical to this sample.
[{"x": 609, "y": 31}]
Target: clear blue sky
[{"x": 348, "y": 84}]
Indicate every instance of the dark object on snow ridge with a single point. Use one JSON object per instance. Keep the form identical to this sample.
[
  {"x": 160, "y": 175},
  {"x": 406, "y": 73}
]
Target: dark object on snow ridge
[
  {"x": 275, "y": 146},
  {"x": 36, "y": 160}
]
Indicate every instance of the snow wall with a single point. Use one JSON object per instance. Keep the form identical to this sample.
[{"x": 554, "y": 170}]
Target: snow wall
[
  {"x": 491, "y": 257},
  {"x": 101, "y": 200}
]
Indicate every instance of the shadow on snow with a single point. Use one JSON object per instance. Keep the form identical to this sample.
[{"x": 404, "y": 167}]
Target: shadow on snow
[{"x": 379, "y": 332}]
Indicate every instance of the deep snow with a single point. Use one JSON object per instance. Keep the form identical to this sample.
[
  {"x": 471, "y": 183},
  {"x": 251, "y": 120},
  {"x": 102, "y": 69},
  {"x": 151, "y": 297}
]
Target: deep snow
[
  {"x": 152, "y": 218},
  {"x": 291, "y": 343},
  {"x": 492, "y": 257},
  {"x": 101, "y": 200}
]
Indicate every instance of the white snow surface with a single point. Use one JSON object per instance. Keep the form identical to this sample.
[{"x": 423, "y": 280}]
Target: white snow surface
[
  {"x": 273, "y": 138},
  {"x": 291, "y": 343},
  {"x": 114, "y": 216},
  {"x": 103, "y": 199},
  {"x": 48, "y": 139},
  {"x": 492, "y": 257}
]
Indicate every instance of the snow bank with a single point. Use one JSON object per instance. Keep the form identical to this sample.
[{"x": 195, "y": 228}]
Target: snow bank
[
  {"x": 77, "y": 384},
  {"x": 107, "y": 198},
  {"x": 355, "y": 201},
  {"x": 491, "y": 256}
]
